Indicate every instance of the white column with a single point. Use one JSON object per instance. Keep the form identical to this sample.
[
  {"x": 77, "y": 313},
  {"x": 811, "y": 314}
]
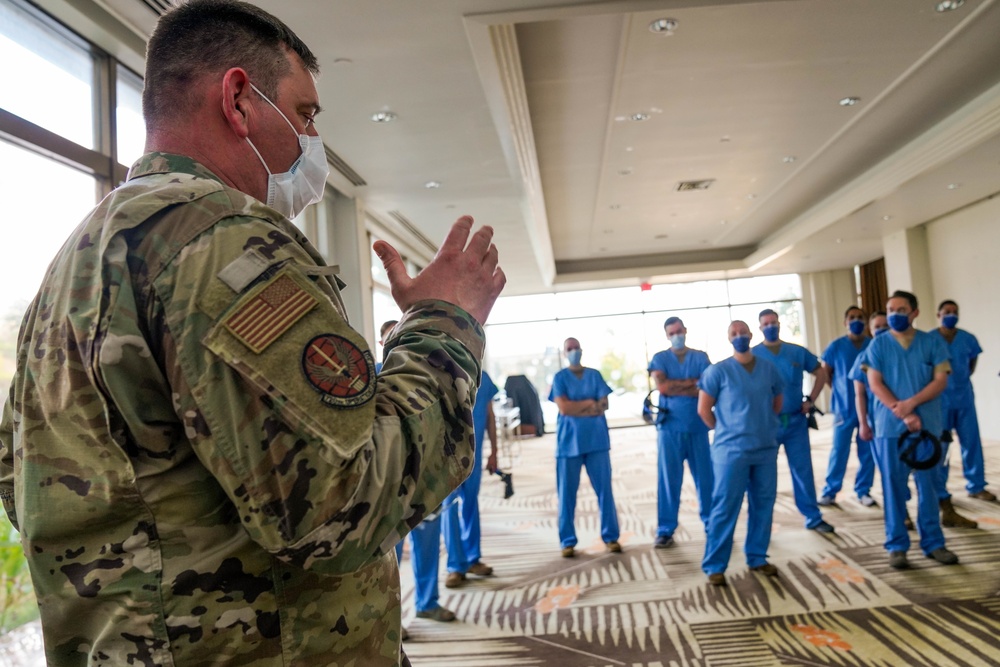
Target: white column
[{"x": 908, "y": 267}]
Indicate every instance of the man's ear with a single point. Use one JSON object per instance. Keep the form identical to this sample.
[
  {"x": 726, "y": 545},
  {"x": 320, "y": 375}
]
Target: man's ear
[{"x": 236, "y": 106}]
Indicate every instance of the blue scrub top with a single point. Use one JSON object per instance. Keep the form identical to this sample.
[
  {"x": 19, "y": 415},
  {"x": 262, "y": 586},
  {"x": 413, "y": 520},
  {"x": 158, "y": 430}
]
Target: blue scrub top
[
  {"x": 576, "y": 436},
  {"x": 905, "y": 373},
  {"x": 682, "y": 411},
  {"x": 744, "y": 414},
  {"x": 962, "y": 351},
  {"x": 792, "y": 360},
  {"x": 487, "y": 390},
  {"x": 840, "y": 355},
  {"x": 859, "y": 371}
]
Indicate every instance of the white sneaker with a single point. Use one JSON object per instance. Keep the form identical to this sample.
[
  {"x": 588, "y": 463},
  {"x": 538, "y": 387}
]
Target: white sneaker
[{"x": 867, "y": 501}]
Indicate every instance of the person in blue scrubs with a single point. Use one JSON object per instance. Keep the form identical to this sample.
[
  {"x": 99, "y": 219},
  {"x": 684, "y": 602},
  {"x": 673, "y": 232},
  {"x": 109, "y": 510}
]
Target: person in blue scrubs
[
  {"x": 745, "y": 392},
  {"x": 793, "y": 426},
  {"x": 582, "y": 440},
  {"x": 680, "y": 433},
  {"x": 425, "y": 547},
  {"x": 907, "y": 370},
  {"x": 838, "y": 358},
  {"x": 960, "y": 410},
  {"x": 461, "y": 520}
]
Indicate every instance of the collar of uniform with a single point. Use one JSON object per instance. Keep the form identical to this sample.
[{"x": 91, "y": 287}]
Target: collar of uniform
[{"x": 163, "y": 163}]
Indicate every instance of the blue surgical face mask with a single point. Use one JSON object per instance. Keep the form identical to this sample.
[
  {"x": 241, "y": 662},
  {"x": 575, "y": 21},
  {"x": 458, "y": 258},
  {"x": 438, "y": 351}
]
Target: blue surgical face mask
[
  {"x": 949, "y": 321},
  {"x": 899, "y": 322},
  {"x": 771, "y": 332},
  {"x": 677, "y": 341},
  {"x": 856, "y": 327},
  {"x": 879, "y": 332},
  {"x": 741, "y": 343},
  {"x": 574, "y": 357}
]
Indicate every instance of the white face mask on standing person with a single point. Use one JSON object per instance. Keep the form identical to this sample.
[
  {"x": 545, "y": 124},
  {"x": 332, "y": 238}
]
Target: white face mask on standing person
[{"x": 291, "y": 191}]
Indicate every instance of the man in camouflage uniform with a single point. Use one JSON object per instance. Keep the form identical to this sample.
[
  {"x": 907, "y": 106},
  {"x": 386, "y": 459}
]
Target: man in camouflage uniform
[{"x": 201, "y": 461}]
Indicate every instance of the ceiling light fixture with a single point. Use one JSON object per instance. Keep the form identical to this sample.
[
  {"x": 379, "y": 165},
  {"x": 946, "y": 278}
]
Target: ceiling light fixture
[
  {"x": 788, "y": 159},
  {"x": 660, "y": 236},
  {"x": 615, "y": 207},
  {"x": 723, "y": 222},
  {"x": 849, "y": 101},
  {"x": 432, "y": 185},
  {"x": 954, "y": 186},
  {"x": 666, "y": 27},
  {"x": 383, "y": 117},
  {"x": 639, "y": 117},
  {"x": 943, "y": 6},
  {"x": 751, "y": 196},
  {"x": 624, "y": 172},
  {"x": 887, "y": 218}
]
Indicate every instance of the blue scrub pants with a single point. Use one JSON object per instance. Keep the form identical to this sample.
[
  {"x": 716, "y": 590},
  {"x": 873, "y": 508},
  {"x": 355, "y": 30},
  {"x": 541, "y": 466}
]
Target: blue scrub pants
[
  {"x": 755, "y": 473},
  {"x": 793, "y": 433},
  {"x": 460, "y": 524},
  {"x": 674, "y": 448},
  {"x": 894, "y": 494},
  {"x": 843, "y": 429},
  {"x": 598, "y": 466},
  {"x": 965, "y": 422},
  {"x": 425, "y": 552}
]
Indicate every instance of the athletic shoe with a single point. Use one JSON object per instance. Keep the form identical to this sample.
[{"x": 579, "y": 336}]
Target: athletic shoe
[
  {"x": 826, "y": 501},
  {"x": 454, "y": 580},
  {"x": 983, "y": 495},
  {"x": 943, "y": 556},
  {"x": 614, "y": 547},
  {"x": 897, "y": 560},
  {"x": 568, "y": 552},
  {"x": 663, "y": 542},
  {"x": 766, "y": 569},
  {"x": 823, "y": 527},
  {"x": 717, "y": 579},
  {"x": 480, "y": 569},
  {"x": 438, "y": 614},
  {"x": 867, "y": 501},
  {"x": 908, "y": 523}
]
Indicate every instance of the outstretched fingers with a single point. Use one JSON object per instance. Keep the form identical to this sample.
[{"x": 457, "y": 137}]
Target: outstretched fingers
[{"x": 458, "y": 235}]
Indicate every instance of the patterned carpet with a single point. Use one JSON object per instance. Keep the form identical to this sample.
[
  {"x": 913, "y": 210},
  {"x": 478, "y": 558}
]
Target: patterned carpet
[{"x": 836, "y": 601}]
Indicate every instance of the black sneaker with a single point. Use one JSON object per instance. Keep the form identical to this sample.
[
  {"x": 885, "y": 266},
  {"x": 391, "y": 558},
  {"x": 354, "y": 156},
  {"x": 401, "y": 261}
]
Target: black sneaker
[
  {"x": 897, "y": 560},
  {"x": 943, "y": 556},
  {"x": 823, "y": 527},
  {"x": 663, "y": 542}
]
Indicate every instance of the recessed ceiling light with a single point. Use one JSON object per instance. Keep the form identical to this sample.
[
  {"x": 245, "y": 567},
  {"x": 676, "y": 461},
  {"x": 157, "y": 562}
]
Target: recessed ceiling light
[
  {"x": 639, "y": 116},
  {"x": 383, "y": 117},
  {"x": 660, "y": 236},
  {"x": 954, "y": 186},
  {"x": 887, "y": 218},
  {"x": 603, "y": 249},
  {"x": 751, "y": 196},
  {"x": 615, "y": 207},
  {"x": 943, "y": 6},
  {"x": 624, "y": 172},
  {"x": 449, "y": 206},
  {"x": 724, "y": 139},
  {"x": 849, "y": 101},
  {"x": 609, "y": 231},
  {"x": 432, "y": 185},
  {"x": 667, "y": 26},
  {"x": 342, "y": 61},
  {"x": 629, "y": 149},
  {"x": 840, "y": 240},
  {"x": 788, "y": 159},
  {"x": 723, "y": 222}
]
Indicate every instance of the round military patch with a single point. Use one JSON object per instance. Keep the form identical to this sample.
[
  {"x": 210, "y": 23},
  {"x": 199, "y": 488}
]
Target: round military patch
[{"x": 339, "y": 370}]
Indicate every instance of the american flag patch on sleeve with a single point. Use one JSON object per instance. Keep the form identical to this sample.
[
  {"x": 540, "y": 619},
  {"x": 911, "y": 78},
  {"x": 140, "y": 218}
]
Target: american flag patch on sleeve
[{"x": 261, "y": 320}]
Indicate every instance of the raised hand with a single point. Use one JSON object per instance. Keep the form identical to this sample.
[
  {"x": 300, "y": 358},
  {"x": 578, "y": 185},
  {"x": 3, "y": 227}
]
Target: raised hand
[{"x": 464, "y": 272}]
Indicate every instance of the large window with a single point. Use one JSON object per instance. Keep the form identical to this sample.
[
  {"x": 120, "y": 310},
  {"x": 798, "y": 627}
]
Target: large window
[
  {"x": 621, "y": 329},
  {"x": 69, "y": 116}
]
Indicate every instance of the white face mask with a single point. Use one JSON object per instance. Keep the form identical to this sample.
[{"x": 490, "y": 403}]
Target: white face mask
[{"x": 291, "y": 191}]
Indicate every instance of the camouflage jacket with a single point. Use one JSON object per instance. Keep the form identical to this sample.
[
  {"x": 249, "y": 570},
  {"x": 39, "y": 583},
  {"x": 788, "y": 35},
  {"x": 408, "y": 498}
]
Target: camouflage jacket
[{"x": 201, "y": 461}]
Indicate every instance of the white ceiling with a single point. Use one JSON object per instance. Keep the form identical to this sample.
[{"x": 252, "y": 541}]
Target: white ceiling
[{"x": 521, "y": 110}]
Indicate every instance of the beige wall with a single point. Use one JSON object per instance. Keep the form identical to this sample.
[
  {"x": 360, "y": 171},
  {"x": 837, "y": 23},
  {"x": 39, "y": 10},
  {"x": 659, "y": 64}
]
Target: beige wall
[{"x": 963, "y": 250}]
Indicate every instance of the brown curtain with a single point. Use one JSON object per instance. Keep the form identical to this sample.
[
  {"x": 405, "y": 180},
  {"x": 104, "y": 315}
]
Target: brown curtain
[{"x": 874, "y": 288}]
